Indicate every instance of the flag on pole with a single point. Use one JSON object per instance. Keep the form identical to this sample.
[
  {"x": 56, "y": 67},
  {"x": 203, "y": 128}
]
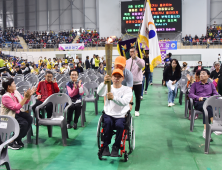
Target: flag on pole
[{"x": 148, "y": 37}]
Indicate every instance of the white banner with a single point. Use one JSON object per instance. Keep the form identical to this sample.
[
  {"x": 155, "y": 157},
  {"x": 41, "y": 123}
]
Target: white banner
[{"x": 76, "y": 46}]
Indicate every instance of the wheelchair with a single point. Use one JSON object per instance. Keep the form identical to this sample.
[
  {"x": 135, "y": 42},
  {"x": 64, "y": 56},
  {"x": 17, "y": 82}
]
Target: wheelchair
[{"x": 128, "y": 135}]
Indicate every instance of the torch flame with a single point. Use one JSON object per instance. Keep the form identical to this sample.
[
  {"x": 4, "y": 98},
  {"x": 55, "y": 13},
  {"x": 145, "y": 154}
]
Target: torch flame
[{"x": 110, "y": 40}]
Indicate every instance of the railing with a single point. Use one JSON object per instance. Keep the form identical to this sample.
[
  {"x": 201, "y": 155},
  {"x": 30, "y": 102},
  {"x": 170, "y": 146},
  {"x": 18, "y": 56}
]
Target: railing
[{"x": 101, "y": 46}]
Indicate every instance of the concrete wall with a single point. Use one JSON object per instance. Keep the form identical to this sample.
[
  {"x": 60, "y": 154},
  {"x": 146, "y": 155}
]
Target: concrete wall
[{"x": 194, "y": 17}]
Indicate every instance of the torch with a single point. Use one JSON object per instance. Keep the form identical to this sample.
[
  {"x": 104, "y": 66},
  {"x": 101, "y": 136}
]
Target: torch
[{"x": 109, "y": 51}]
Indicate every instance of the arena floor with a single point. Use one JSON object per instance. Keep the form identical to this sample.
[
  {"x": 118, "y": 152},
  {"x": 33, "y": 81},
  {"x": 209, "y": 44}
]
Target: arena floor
[{"x": 163, "y": 142}]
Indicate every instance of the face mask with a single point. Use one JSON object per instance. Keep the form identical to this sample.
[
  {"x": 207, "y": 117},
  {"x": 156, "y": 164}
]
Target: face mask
[{"x": 199, "y": 64}]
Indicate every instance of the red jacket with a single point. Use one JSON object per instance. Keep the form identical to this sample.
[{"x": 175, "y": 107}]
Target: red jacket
[{"x": 46, "y": 89}]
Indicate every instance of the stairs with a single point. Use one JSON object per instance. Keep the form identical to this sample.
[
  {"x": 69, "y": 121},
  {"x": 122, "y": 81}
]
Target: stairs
[
  {"x": 22, "y": 42},
  {"x": 74, "y": 41}
]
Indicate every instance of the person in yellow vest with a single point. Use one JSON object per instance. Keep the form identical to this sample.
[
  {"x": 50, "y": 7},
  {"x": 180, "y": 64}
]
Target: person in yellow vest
[
  {"x": 45, "y": 60},
  {"x": 9, "y": 64},
  {"x": 54, "y": 62},
  {"x": 35, "y": 69},
  {"x": 40, "y": 60},
  {"x": 1, "y": 62},
  {"x": 49, "y": 64},
  {"x": 6, "y": 62},
  {"x": 97, "y": 60},
  {"x": 63, "y": 68},
  {"x": 66, "y": 60}
]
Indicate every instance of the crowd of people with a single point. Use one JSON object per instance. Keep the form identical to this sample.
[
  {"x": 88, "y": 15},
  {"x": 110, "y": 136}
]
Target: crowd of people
[
  {"x": 48, "y": 39},
  {"x": 201, "y": 84},
  {"x": 92, "y": 38},
  {"x": 9, "y": 37},
  {"x": 127, "y": 77},
  {"x": 213, "y": 36}
]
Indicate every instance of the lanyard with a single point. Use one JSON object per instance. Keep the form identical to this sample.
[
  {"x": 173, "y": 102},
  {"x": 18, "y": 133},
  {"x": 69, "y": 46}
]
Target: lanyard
[{"x": 131, "y": 65}]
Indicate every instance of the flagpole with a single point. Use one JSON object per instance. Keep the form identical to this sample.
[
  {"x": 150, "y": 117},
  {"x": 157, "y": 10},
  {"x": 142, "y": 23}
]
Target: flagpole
[{"x": 140, "y": 23}]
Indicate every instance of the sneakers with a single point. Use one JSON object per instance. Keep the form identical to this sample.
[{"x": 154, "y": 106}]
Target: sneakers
[
  {"x": 106, "y": 151},
  {"x": 151, "y": 84},
  {"x": 13, "y": 145},
  {"x": 115, "y": 151},
  {"x": 204, "y": 135},
  {"x": 145, "y": 92},
  {"x": 217, "y": 133},
  {"x": 69, "y": 126},
  {"x": 196, "y": 116},
  {"x": 75, "y": 126},
  {"x": 137, "y": 113},
  {"x": 20, "y": 144},
  {"x": 141, "y": 97},
  {"x": 170, "y": 104}
]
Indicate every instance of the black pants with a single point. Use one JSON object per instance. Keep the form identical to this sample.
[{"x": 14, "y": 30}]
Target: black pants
[
  {"x": 147, "y": 75},
  {"x": 137, "y": 90},
  {"x": 48, "y": 108},
  {"x": 93, "y": 66},
  {"x": 77, "y": 107},
  {"x": 25, "y": 121},
  {"x": 199, "y": 106},
  {"x": 109, "y": 123}
]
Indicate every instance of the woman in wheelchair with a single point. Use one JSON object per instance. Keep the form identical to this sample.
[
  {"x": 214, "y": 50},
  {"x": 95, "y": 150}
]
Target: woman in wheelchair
[{"x": 115, "y": 108}]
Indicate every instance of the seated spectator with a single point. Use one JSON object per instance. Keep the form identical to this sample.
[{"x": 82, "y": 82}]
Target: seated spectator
[
  {"x": 79, "y": 68},
  {"x": 101, "y": 69},
  {"x": 199, "y": 67},
  {"x": 199, "y": 92},
  {"x": 115, "y": 108},
  {"x": 27, "y": 70},
  {"x": 18, "y": 70},
  {"x": 63, "y": 68},
  {"x": 216, "y": 73},
  {"x": 75, "y": 92},
  {"x": 185, "y": 67},
  {"x": 56, "y": 69},
  {"x": 44, "y": 90},
  {"x": 190, "y": 81},
  {"x": 35, "y": 70},
  {"x": 12, "y": 103}
]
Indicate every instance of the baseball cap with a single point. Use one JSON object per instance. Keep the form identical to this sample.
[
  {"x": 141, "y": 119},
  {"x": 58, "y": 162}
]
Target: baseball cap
[
  {"x": 121, "y": 61},
  {"x": 118, "y": 71}
]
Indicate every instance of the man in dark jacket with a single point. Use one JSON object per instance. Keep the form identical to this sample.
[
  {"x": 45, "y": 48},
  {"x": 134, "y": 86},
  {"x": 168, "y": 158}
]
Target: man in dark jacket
[
  {"x": 92, "y": 61},
  {"x": 87, "y": 62}
]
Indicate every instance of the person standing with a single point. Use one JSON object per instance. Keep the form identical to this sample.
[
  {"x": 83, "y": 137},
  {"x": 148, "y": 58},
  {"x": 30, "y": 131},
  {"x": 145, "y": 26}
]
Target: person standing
[
  {"x": 135, "y": 65},
  {"x": 92, "y": 61},
  {"x": 147, "y": 71},
  {"x": 87, "y": 62},
  {"x": 171, "y": 76},
  {"x": 97, "y": 62}
]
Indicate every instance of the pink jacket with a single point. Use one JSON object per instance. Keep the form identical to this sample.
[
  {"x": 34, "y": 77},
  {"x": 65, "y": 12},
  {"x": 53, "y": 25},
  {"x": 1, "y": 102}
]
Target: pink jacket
[
  {"x": 136, "y": 69},
  {"x": 12, "y": 104}
]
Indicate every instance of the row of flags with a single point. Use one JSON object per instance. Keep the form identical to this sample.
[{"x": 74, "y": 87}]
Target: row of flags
[{"x": 147, "y": 37}]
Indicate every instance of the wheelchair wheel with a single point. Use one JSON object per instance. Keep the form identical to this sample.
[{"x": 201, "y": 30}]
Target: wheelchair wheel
[
  {"x": 99, "y": 128},
  {"x": 131, "y": 136},
  {"x": 126, "y": 156}
]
